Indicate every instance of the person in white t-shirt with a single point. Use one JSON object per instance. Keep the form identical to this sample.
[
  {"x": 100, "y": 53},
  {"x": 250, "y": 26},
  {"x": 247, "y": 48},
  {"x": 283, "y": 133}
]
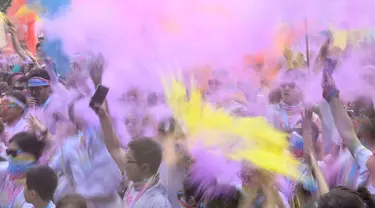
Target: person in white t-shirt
[{"x": 82, "y": 160}]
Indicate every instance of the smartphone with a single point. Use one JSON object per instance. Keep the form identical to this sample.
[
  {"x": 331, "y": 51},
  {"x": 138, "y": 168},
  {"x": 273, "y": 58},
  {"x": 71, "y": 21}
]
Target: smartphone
[
  {"x": 329, "y": 66},
  {"x": 99, "y": 95}
]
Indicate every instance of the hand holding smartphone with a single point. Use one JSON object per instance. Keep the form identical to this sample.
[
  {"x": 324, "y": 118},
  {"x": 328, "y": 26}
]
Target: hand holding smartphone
[{"x": 99, "y": 96}]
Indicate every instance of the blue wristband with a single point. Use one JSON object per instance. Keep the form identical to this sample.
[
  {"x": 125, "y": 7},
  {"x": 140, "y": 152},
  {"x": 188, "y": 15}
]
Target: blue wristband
[{"x": 333, "y": 93}]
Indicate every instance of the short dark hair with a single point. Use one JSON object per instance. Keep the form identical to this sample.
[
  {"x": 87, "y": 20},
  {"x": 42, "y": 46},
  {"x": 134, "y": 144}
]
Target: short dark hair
[
  {"x": 346, "y": 198},
  {"x": 43, "y": 180},
  {"x": 23, "y": 79},
  {"x": 73, "y": 200},
  {"x": 148, "y": 151},
  {"x": 39, "y": 73},
  {"x": 29, "y": 143}
]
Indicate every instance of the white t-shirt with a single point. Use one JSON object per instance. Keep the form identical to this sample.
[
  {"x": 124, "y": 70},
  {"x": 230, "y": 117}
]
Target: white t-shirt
[
  {"x": 172, "y": 179},
  {"x": 89, "y": 168},
  {"x": 361, "y": 156},
  {"x": 154, "y": 197}
]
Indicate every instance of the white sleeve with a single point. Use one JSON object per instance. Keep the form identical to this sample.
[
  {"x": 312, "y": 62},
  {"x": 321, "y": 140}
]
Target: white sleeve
[
  {"x": 361, "y": 156},
  {"x": 27, "y": 205}
]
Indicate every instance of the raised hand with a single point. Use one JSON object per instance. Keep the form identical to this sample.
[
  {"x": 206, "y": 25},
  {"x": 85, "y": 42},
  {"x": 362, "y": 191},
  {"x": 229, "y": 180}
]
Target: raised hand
[
  {"x": 96, "y": 67},
  {"x": 35, "y": 125},
  {"x": 329, "y": 87}
]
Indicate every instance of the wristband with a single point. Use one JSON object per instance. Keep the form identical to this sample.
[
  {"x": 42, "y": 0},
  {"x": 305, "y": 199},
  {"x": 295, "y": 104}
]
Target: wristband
[{"x": 330, "y": 93}]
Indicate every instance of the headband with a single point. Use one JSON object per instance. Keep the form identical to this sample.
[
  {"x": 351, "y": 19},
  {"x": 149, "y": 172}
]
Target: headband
[
  {"x": 14, "y": 100},
  {"x": 38, "y": 82}
]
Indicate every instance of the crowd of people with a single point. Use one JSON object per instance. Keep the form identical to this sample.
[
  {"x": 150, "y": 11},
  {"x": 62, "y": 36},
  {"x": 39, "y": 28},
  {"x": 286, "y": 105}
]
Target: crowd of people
[{"x": 58, "y": 150}]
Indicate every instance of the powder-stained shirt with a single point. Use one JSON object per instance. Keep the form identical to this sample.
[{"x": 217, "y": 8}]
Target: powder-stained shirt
[
  {"x": 154, "y": 197},
  {"x": 89, "y": 168}
]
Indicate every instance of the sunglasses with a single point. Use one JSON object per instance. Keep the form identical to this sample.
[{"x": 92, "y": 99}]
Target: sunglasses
[
  {"x": 20, "y": 88},
  {"x": 13, "y": 152}
]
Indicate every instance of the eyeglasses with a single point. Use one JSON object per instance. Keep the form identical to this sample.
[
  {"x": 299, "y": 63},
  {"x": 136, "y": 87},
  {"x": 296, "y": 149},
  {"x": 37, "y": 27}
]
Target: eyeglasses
[
  {"x": 130, "y": 161},
  {"x": 13, "y": 152},
  {"x": 127, "y": 160}
]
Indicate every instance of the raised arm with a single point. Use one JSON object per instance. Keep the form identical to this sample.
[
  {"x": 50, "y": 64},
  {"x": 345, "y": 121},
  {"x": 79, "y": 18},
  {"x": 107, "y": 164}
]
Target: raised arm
[
  {"x": 111, "y": 139},
  {"x": 17, "y": 45},
  {"x": 342, "y": 119}
]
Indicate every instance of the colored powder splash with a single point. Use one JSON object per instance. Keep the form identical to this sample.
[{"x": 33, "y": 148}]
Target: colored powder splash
[
  {"x": 53, "y": 46},
  {"x": 190, "y": 33},
  {"x": 211, "y": 167}
]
